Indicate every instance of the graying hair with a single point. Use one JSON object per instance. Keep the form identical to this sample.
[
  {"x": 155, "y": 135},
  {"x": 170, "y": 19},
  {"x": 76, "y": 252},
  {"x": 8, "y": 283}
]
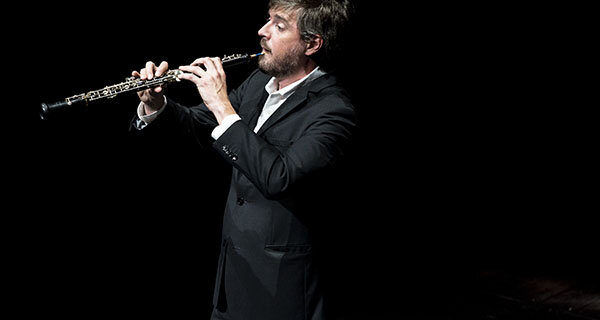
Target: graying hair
[{"x": 327, "y": 18}]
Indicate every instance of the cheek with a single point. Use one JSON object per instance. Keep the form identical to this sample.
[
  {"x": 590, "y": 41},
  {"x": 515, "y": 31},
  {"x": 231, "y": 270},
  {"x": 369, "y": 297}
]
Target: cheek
[
  {"x": 276, "y": 44},
  {"x": 283, "y": 45}
]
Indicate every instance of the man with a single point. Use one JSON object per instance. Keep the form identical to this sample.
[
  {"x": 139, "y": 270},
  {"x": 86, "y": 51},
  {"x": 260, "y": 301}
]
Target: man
[{"x": 283, "y": 131}]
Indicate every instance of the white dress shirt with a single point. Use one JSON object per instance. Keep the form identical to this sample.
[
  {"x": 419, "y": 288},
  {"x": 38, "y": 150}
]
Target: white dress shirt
[{"x": 274, "y": 101}]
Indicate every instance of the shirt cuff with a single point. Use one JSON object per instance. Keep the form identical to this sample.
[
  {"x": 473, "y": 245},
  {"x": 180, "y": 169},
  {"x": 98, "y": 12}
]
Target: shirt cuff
[
  {"x": 147, "y": 118},
  {"x": 227, "y": 122}
]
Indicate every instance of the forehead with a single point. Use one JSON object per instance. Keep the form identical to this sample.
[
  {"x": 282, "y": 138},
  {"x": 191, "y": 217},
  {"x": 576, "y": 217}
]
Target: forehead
[{"x": 289, "y": 15}]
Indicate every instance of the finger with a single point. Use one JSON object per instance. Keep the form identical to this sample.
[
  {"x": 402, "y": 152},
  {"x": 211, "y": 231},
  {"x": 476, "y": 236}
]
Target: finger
[
  {"x": 199, "y": 62},
  {"x": 135, "y": 74},
  {"x": 219, "y": 67},
  {"x": 209, "y": 64},
  {"x": 158, "y": 89},
  {"x": 194, "y": 69},
  {"x": 143, "y": 75},
  {"x": 150, "y": 69},
  {"x": 190, "y": 77},
  {"x": 162, "y": 68}
]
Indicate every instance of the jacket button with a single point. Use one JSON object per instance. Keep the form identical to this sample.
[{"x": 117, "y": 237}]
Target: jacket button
[
  {"x": 233, "y": 158},
  {"x": 241, "y": 201}
]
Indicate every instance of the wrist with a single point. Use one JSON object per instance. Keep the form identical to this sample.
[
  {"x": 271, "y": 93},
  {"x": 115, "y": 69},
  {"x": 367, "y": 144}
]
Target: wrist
[
  {"x": 148, "y": 109},
  {"x": 154, "y": 105},
  {"x": 222, "y": 111},
  {"x": 224, "y": 126}
]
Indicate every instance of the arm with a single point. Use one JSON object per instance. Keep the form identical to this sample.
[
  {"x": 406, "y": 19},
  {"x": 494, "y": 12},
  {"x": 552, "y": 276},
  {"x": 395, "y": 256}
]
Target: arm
[
  {"x": 275, "y": 171},
  {"x": 211, "y": 84},
  {"x": 170, "y": 116}
]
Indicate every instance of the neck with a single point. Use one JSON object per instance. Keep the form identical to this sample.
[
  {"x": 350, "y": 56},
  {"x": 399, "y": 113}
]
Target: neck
[{"x": 302, "y": 72}]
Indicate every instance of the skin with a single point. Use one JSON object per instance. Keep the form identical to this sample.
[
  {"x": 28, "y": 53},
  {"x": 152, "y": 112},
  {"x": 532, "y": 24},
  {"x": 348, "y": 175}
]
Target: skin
[{"x": 281, "y": 43}]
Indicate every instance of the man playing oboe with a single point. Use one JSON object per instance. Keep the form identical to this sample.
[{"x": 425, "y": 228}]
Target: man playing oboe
[{"x": 283, "y": 130}]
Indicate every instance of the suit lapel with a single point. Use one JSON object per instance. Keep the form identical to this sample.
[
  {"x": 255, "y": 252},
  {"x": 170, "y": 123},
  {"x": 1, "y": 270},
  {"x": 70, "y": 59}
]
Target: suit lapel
[
  {"x": 253, "y": 116},
  {"x": 290, "y": 104},
  {"x": 295, "y": 100},
  {"x": 250, "y": 114}
]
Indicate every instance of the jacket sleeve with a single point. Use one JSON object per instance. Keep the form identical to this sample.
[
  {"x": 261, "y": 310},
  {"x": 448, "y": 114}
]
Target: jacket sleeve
[
  {"x": 274, "y": 171},
  {"x": 196, "y": 122}
]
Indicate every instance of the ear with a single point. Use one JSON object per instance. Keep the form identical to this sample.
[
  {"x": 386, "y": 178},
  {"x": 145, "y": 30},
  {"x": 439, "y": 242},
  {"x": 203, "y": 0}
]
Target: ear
[{"x": 314, "y": 44}]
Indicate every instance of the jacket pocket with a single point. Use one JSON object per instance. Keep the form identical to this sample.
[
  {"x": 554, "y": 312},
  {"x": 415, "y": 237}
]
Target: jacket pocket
[
  {"x": 287, "y": 267},
  {"x": 219, "y": 301},
  {"x": 290, "y": 248}
]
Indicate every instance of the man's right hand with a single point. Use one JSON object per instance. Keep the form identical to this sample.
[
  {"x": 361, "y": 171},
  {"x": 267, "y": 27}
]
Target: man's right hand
[{"x": 153, "y": 98}]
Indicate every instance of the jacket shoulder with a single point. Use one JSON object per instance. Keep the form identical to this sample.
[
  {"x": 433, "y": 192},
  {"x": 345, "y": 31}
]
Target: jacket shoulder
[
  {"x": 329, "y": 91},
  {"x": 257, "y": 78}
]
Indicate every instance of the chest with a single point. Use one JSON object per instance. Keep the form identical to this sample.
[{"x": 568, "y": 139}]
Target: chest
[{"x": 280, "y": 123}]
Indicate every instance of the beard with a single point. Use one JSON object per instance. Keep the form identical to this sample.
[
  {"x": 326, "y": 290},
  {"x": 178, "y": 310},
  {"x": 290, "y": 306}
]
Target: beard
[{"x": 281, "y": 65}]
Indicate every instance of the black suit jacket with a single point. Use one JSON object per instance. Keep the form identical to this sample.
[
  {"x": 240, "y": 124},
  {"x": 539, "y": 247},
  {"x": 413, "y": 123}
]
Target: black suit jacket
[{"x": 267, "y": 267}]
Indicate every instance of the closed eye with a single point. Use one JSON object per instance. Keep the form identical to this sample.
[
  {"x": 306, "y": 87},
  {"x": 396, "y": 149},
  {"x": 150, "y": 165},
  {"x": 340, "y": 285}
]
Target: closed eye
[{"x": 279, "y": 21}]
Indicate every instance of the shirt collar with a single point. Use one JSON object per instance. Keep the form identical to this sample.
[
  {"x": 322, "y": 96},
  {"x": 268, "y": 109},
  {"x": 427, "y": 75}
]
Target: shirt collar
[{"x": 271, "y": 86}]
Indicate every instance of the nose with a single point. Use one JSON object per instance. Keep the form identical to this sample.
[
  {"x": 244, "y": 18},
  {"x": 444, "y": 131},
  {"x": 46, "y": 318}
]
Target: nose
[{"x": 262, "y": 32}]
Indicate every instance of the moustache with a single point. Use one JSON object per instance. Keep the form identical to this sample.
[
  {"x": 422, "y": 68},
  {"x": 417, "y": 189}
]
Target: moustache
[{"x": 263, "y": 43}]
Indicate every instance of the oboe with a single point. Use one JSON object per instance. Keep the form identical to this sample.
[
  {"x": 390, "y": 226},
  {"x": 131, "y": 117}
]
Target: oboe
[{"x": 135, "y": 84}]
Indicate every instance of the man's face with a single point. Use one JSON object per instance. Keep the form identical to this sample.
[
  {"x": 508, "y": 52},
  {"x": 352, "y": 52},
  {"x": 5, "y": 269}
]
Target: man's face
[{"x": 282, "y": 46}]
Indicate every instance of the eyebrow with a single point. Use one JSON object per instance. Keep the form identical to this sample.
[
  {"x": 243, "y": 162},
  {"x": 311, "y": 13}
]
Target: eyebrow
[{"x": 282, "y": 18}]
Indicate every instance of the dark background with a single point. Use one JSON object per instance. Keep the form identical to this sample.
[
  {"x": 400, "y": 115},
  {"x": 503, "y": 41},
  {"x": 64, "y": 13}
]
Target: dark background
[{"x": 460, "y": 164}]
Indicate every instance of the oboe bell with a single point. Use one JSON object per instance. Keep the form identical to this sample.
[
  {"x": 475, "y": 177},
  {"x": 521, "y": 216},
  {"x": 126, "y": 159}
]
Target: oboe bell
[{"x": 134, "y": 84}]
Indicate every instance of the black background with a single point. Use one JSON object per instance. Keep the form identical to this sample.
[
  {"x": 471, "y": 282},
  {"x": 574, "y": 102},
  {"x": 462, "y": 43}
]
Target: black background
[{"x": 459, "y": 164}]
